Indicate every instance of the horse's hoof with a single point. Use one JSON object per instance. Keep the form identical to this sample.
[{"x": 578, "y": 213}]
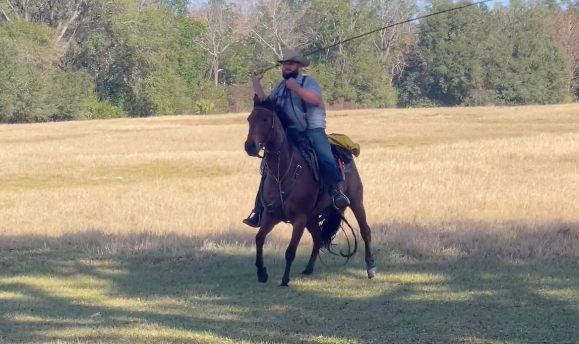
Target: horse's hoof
[
  {"x": 262, "y": 276},
  {"x": 308, "y": 271},
  {"x": 371, "y": 272},
  {"x": 283, "y": 286}
]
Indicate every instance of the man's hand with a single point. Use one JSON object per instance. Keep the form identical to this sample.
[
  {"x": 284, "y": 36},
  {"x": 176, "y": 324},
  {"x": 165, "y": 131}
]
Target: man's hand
[
  {"x": 257, "y": 75},
  {"x": 307, "y": 95},
  {"x": 292, "y": 85}
]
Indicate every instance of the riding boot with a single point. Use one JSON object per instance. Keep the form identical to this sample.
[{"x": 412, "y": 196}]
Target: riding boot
[
  {"x": 341, "y": 201},
  {"x": 254, "y": 220}
]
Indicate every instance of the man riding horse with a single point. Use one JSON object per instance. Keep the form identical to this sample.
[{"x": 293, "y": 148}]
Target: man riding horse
[{"x": 301, "y": 108}]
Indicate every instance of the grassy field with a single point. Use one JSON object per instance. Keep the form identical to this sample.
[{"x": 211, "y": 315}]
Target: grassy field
[{"x": 130, "y": 231}]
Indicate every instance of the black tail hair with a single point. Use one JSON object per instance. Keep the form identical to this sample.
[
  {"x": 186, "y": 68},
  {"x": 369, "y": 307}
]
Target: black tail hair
[{"x": 331, "y": 225}]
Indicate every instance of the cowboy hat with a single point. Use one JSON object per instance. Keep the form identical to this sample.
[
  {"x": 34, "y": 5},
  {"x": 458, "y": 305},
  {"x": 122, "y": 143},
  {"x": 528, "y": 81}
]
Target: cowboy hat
[{"x": 293, "y": 55}]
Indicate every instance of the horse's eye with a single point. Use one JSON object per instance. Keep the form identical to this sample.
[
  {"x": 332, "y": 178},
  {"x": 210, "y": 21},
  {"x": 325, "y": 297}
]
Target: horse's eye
[{"x": 264, "y": 120}]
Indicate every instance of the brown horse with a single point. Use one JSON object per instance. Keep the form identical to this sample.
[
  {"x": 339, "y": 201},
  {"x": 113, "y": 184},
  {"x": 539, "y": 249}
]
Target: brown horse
[{"x": 293, "y": 193}]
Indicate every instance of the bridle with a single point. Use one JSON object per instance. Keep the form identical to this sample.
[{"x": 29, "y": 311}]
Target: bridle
[
  {"x": 277, "y": 178},
  {"x": 262, "y": 144}
]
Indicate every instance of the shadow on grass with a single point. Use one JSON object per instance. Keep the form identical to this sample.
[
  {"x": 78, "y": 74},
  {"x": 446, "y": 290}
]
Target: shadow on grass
[{"x": 209, "y": 294}]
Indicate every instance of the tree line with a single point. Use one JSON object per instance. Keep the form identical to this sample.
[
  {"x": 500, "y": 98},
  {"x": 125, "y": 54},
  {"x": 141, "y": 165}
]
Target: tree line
[{"x": 86, "y": 59}]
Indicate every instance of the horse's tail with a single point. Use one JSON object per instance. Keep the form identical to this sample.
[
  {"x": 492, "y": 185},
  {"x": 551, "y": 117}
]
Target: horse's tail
[{"x": 330, "y": 226}]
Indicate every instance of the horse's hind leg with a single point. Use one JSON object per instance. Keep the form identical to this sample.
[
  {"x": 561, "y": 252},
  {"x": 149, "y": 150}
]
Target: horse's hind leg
[
  {"x": 355, "y": 192},
  {"x": 299, "y": 226},
  {"x": 357, "y": 206},
  {"x": 314, "y": 230}
]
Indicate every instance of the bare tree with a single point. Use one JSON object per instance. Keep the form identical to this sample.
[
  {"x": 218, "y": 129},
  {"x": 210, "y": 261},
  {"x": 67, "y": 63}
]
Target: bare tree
[
  {"x": 329, "y": 22},
  {"x": 566, "y": 34},
  {"x": 223, "y": 29},
  {"x": 4, "y": 15},
  {"x": 64, "y": 16},
  {"x": 69, "y": 16},
  {"x": 392, "y": 43},
  {"x": 274, "y": 25}
]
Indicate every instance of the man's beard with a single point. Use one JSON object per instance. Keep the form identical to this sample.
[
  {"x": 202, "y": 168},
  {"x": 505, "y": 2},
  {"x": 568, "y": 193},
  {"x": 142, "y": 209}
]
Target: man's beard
[{"x": 287, "y": 75}]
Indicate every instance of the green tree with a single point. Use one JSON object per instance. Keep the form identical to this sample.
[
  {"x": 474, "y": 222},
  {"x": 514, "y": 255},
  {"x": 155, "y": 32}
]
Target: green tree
[
  {"x": 451, "y": 44},
  {"x": 526, "y": 66}
]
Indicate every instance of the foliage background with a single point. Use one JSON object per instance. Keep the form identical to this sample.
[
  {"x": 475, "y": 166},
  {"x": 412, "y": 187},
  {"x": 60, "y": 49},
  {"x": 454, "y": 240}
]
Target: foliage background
[{"x": 87, "y": 59}]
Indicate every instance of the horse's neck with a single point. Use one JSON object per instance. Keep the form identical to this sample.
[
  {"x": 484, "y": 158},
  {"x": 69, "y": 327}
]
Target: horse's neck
[{"x": 279, "y": 164}]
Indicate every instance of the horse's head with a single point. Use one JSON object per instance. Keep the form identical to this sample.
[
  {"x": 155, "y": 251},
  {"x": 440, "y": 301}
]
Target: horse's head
[{"x": 262, "y": 121}]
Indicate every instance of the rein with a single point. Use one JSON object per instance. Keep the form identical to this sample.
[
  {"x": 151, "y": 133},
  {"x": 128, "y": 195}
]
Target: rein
[{"x": 277, "y": 178}]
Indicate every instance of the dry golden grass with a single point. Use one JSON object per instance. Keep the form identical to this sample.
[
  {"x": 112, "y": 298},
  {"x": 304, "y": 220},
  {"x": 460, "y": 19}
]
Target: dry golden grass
[
  {"x": 467, "y": 167},
  {"x": 151, "y": 210}
]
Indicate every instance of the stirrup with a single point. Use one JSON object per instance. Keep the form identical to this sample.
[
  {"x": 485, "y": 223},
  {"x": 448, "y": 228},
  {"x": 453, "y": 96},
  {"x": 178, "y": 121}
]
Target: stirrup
[
  {"x": 346, "y": 200},
  {"x": 250, "y": 222}
]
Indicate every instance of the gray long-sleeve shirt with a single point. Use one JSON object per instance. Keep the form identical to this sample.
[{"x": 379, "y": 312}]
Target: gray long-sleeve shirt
[{"x": 291, "y": 105}]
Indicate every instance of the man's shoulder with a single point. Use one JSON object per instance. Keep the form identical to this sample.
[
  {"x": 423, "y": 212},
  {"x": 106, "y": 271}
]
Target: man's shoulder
[
  {"x": 309, "y": 79},
  {"x": 310, "y": 83}
]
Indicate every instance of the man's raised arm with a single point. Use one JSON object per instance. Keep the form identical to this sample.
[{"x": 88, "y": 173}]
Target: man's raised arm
[{"x": 257, "y": 88}]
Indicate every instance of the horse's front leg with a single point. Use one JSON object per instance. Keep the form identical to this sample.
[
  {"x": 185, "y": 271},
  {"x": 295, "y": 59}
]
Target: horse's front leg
[
  {"x": 267, "y": 224},
  {"x": 299, "y": 226}
]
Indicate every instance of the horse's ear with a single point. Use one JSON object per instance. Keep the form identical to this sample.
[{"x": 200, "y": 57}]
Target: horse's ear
[
  {"x": 256, "y": 100},
  {"x": 267, "y": 103}
]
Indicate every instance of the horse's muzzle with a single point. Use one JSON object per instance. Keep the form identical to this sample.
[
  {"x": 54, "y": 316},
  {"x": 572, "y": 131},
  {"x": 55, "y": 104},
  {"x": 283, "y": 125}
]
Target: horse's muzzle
[{"x": 251, "y": 148}]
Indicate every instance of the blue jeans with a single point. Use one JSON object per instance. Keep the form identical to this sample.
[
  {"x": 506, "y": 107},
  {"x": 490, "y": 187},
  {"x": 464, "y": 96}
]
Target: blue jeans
[{"x": 323, "y": 149}]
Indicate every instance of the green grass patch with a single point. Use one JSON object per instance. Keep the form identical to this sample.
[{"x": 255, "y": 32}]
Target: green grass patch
[
  {"x": 113, "y": 175},
  {"x": 40, "y": 182},
  {"x": 211, "y": 120},
  {"x": 161, "y": 169},
  {"x": 41, "y": 138}
]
